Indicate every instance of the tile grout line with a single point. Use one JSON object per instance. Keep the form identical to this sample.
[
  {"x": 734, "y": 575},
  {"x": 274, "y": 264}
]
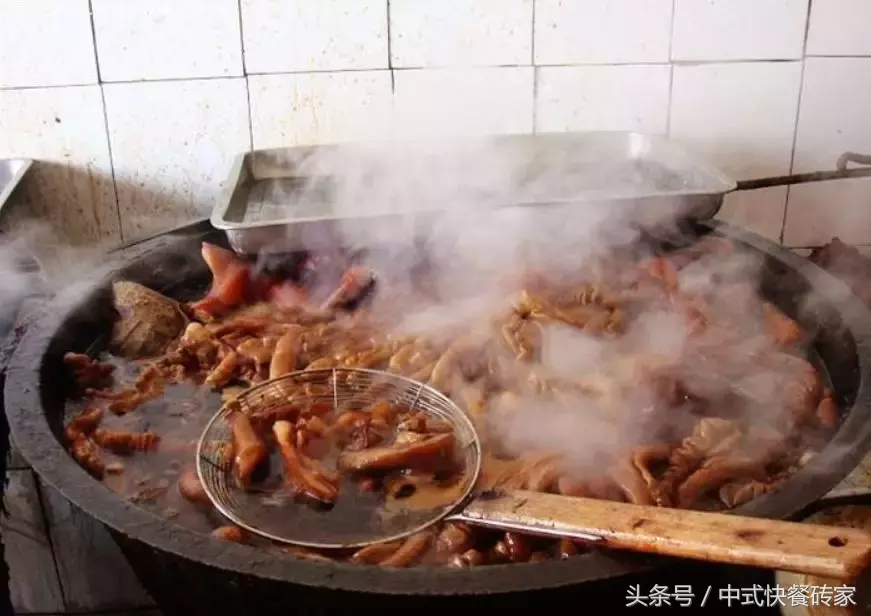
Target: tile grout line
[
  {"x": 245, "y": 77},
  {"x": 40, "y": 498},
  {"x": 532, "y": 35},
  {"x": 670, "y": 98},
  {"x": 390, "y": 54},
  {"x": 433, "y": 68},
  {"x": 807, "y": 27},
  {"x": 106, "y": 124},
  {"x": 534, "y": 71},
  {"x": 112, "y": 164},
  {"x": 670, "y": 69}
]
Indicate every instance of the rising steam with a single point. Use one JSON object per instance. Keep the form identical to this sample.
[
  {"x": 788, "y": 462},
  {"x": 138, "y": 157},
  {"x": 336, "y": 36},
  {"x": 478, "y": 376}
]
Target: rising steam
[
  {"x": 486, "y": 233},
  {"x": 481, "y": 213},
  {"x": 36, "y": 261}
]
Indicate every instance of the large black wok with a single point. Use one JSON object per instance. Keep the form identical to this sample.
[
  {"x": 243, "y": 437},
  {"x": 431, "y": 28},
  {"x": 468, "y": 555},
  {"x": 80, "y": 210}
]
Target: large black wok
[{"x": 189, "y": 573}]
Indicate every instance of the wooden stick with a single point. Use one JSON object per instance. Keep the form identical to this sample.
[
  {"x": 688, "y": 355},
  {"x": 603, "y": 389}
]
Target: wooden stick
[{"x": 826, "y": 551}]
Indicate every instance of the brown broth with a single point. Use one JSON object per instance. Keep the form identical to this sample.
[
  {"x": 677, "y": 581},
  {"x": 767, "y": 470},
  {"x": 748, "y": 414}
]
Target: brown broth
[{"x": 179, "y": 417}]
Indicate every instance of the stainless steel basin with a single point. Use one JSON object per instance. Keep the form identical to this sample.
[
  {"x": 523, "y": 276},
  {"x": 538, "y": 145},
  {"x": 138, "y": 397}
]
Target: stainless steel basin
[{"x": 12, "y": 170}]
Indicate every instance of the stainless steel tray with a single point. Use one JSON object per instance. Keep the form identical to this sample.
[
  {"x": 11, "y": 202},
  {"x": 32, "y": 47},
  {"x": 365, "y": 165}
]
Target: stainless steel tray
[
  {"x": 298, "y": 198},
  {"x": 12, "y": 171}
]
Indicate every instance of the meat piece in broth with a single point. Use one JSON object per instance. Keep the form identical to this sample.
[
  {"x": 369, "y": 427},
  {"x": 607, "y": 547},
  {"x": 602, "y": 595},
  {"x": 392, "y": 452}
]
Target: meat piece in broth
[
  {"x": 148, "y": 321},
  {"x": 249, "y": 451},
  {"x": 714, "y": 421}
]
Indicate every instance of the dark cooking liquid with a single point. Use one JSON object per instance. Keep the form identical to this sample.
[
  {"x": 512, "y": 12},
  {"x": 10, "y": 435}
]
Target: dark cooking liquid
[
  {"x": 179, "y": 417},
  {"x": 359, "y": 514},
  {"x": 151, "y": 479}
]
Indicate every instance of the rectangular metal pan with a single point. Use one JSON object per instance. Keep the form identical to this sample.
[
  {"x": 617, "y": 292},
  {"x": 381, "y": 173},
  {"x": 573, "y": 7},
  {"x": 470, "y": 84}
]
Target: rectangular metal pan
[
  {"x": 280, "y": 199},
  {"x": 12, "y": 171}
]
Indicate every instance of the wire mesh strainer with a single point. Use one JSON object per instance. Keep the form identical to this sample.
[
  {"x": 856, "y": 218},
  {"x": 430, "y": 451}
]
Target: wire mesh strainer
[{"x": 357, "y": 517}]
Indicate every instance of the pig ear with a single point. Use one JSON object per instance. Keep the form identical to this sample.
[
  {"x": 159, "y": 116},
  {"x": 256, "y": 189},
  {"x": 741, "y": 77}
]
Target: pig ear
[{"x": 218, "y": 259}]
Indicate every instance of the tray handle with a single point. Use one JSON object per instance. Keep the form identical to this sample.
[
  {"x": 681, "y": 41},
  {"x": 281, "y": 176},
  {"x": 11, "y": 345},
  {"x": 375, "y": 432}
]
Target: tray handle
[
  {"x": 841, "y": 172},
  {"x": 852, "y": 157}
]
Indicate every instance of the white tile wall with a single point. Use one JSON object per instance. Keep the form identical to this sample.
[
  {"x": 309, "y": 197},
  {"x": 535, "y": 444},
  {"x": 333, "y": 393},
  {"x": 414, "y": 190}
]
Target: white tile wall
[
  {"x": 739, "y": 115},
  {"x": 46, "y": 43},
  {"x": 739, "y": 29},
  {"x": 64, "y": 128},
  {"x": 833, "y": 120},
  {"x": 834, "y": 111},
  {"x": 314, "y": 35},
  {"x": 818, "y": 212},
  {"x": 316, "y": 108},
  {"x": 626, "y": 97},
  {"x": 184, "y": 86},
  {"x": 170, "y": 142},
  {"x": 761, "y": 210},
  {"x": 424, "y": 33},
  {"x": 463, "y": 101},
  {"x": 167, "y": 39},
  {"x": 596, "y": 32},
  {"x": 840, "y": 28}
]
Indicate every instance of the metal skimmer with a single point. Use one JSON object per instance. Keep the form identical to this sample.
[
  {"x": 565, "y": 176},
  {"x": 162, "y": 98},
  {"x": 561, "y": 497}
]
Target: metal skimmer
[
  {"x": 361, "y": 518},
  {"x": 358, "y": 517}
]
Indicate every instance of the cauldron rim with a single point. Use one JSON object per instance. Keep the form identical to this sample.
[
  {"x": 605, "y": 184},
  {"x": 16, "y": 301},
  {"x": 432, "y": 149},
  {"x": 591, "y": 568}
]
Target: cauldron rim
[{"x": 35, "y": 439}]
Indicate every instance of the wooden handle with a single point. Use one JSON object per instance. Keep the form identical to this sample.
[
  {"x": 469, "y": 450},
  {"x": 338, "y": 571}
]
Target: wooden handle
[{"x": 787, "y": 546}]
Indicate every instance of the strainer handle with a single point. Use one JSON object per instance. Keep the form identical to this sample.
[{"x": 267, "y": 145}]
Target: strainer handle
[{"x": 825, "y": 551}]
